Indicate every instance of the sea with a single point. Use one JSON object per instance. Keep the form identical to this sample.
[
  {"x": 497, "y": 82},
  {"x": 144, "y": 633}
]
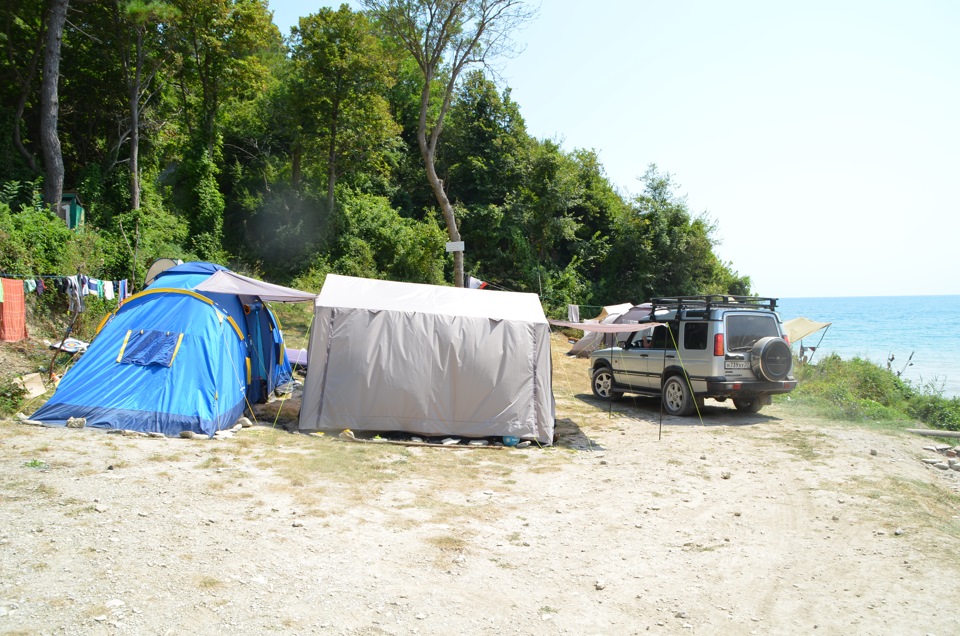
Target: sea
[{"x": 918, "y": 335}]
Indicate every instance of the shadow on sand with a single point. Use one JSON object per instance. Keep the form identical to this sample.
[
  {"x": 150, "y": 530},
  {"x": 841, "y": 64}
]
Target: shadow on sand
[
  {"x": 649, "y": 409},
  {"x": 567, "y": 434}
]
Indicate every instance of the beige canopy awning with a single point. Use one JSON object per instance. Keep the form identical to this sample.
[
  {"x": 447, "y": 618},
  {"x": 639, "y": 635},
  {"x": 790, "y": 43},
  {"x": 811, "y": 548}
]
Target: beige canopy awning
[
  {"x": 799, "y": 328},
  {"x": 607, "y": 327}
]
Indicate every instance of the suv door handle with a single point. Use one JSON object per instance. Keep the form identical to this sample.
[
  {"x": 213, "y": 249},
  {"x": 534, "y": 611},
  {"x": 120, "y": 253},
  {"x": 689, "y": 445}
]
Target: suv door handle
[{"x": 670, "y": 356}]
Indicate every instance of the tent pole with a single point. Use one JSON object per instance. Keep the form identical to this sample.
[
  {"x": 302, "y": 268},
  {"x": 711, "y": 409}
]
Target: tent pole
[{"x": 810, "y": 359}]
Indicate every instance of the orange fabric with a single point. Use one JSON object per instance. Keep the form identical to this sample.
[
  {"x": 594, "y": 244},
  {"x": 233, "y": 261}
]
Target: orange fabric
[{"x": 13, "y": 311}]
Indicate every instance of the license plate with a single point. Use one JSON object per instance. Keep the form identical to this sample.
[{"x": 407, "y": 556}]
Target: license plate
[{"x": 736, "y": 364}]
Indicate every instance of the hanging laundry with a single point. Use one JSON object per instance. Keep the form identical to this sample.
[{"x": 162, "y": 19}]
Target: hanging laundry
[
  {"x": 40, "y": 287},
  {"x": 108, "y": 289},
  {"x": 93, "y": 286},
  {"x": 13, "y": 311},
  {"x": 29, "y": 285},
  {"x": 74, "y": 292}
]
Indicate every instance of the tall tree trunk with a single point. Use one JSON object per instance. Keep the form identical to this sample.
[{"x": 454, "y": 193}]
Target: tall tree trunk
[
  {"x": 332, "y": 164},
  {"x": 25, "y": 85},
  {"x": 447, "y": 208},
  {"x": 428, "y": 150},
  {"x": 296, "y": 169},
  {"x": 135, "y": 127},
  {"x": 17, "y": 135},
  {"x": 49, "y": 106}
]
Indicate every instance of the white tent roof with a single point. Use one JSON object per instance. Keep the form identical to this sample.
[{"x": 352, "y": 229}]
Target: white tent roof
[
  {"x": 613, "y": 310},
  {"x": 380, "y": 295},
  {"x": 227, "y": 282}
]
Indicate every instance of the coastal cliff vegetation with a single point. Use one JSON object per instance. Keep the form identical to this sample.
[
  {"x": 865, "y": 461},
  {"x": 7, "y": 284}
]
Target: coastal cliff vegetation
[{"x": 198, "y": 131}]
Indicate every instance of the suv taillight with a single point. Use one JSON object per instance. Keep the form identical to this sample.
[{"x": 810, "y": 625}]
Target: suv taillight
[
  {"x": 718, "y": 344},
  {"x": 786, "y": 338}
]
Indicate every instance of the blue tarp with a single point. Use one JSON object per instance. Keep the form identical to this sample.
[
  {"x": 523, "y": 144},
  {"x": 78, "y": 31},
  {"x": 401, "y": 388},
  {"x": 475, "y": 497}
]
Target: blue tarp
[{"x": 172, "y": 359}]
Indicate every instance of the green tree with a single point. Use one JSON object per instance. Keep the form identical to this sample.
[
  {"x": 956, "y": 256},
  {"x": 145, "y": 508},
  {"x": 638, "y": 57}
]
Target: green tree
[
  {"x": 445, "y": 37},
  {"x": 661, "y": 249},
  {"x": 22, "y": 36},
  {"x": 144, "y": 22},
  {"x": 221, "y": 46},
  {"x": 343, "y": 78},
  {"x": 486, "y": 146},
  {"x": 376, "y": 242}
]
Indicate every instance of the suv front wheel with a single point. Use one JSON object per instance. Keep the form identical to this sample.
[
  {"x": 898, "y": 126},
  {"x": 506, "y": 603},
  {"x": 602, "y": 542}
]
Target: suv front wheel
[
  {"x": 676, "y": 396},
  {"x": 602, "y": 384}
]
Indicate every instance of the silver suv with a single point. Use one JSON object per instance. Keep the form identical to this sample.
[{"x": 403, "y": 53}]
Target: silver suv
[{"x": 696, "y": 347}]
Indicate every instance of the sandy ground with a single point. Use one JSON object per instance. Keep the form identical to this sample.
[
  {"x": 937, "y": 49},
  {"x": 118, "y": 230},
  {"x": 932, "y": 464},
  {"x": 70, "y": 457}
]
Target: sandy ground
[{"x": 762, "y": 524}]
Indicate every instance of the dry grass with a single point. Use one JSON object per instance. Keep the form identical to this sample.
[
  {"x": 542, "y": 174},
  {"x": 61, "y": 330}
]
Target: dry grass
[
  {"x": 449, "y": 542},
  {"x": 922, "y": 506},
  {"x": 209, "y": 583},
  {"x": 804, "y": 444}
]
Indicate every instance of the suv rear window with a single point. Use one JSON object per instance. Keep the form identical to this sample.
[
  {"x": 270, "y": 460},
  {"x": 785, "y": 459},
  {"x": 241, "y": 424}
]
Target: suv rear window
[{"x": 743, "y": 331}]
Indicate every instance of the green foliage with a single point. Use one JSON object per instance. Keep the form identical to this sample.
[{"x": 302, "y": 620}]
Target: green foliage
[
  {"x": 664, "y": 250},
  {"x": 34, "y": 241},
  {"x": 11, "y": 396},
  {"x": 301, "y": 161},
  {"x": 140, "y": 237},
  {"x": 835, "y": 379},
  {"x": 937, "y": 411},
  {"x": 860, "y": 390},
  {"x": 340, "y": 80},
  {"x": 200, "y": 199},
  {"x": 376, "y": 242},
  {"x": 485, "y": 144}
]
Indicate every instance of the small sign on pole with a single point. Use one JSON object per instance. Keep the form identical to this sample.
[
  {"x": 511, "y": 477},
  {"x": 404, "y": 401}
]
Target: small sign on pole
[{"x": 455, "y": 246}]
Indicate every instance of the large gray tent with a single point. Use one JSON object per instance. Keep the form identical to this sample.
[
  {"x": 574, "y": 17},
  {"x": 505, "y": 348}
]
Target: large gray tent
[{"x": 430, "y": 360}]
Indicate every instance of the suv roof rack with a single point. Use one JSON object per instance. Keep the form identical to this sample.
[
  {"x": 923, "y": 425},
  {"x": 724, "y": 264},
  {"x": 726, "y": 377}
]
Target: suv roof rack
[{"x": 712, "y": 301}]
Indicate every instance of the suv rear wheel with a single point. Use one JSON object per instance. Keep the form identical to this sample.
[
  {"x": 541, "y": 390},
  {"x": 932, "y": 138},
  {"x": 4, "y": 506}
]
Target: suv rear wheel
[
  {"x": 676, "y": 396},
  {"x": 602, "y": 384},
  {"x": 748, "y": 405}
]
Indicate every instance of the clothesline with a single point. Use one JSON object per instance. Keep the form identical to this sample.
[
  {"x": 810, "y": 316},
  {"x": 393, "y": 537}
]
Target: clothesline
[
  {"x": 25, "y": 276},
  {"x": 13, "y": 291},
  {"x": 75, "y": 287}
]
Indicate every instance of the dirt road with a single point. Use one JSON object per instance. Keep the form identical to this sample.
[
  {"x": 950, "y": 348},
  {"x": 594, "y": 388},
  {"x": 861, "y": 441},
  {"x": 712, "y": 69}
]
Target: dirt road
[{"x": 759, "y": 524}]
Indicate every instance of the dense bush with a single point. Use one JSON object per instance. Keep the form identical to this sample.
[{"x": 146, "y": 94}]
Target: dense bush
[
  {"x": 937, "y": 411},
  {"x": 11, "y": 397},
  {"x": 860, "y": 390}
]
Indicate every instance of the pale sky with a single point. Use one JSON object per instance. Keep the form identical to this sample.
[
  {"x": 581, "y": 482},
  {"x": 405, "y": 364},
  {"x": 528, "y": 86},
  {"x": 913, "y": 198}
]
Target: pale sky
[{"x": 823, "y": 137}]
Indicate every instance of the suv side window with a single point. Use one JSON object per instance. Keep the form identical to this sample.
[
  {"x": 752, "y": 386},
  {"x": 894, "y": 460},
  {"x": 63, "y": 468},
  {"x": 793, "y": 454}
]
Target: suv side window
[
  {"x": 695, "y": 336},
  {"x": 662, "y": 339}
]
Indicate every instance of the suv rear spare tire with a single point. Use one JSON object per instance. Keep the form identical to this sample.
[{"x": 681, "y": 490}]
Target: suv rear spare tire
[{"x": 771, "y": 359}]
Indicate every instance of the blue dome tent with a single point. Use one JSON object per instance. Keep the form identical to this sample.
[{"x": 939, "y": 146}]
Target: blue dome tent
[{"x": 187, "y": 353}]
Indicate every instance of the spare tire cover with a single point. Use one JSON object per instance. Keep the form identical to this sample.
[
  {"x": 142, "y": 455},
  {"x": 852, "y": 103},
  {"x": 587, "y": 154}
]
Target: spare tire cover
[{"x": 771, "y": 359}]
